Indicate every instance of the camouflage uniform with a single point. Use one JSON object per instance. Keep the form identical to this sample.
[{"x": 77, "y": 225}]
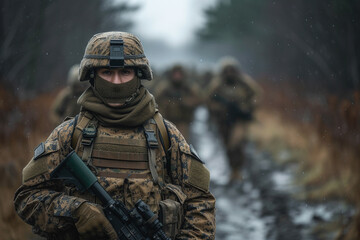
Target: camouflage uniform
[
  {"x": 65, "y": 104},
  {"x": 178, "y": 99},
  {"x": 232, "y": 98},
  {"x": 120, "y": 159}
]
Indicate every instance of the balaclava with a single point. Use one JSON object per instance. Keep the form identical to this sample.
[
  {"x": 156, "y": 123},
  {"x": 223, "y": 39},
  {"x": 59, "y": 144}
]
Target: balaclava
[{"x": 119, "y": 94}]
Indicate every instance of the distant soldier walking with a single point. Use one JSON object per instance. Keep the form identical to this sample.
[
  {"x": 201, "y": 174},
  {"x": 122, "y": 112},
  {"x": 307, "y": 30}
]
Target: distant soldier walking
[
  {"x": 232, "y": 98},
  {"x": 178, "y": 98},
  {"x": 65, "y": 104}
]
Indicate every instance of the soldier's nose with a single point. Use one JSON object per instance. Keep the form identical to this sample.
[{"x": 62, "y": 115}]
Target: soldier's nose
[{"x": 116, "y": 78}]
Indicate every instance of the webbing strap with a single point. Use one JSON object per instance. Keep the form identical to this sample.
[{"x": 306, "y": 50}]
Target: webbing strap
[
  {"x": 119, "y": 164},
  {"x": 164, "y": 134},
  {"x": 89, "y": 134},
  {"x": 86, "y": 118},
  {"x": 122, "y": 175},
  {"x": 128, "y": 156},
  {"x": 151, "y": 139},
  {"x": 165, "y": 140},
  {"x": 87, "y": 126},
  {"x": 120, "y": 141}
]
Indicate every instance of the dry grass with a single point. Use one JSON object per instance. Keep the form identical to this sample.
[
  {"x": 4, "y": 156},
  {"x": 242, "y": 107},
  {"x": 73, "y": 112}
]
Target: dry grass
[
  {"x": 23, "y": 126},
  {"x": 323, "y": 137}
]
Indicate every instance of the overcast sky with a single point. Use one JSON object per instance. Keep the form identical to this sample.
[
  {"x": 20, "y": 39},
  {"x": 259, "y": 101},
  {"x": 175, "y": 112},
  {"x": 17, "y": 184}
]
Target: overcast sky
[{"x": 174, "y": 21}]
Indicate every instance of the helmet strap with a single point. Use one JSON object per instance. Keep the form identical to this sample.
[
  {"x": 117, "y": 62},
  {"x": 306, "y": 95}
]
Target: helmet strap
[{"x": 92, "y": 76}]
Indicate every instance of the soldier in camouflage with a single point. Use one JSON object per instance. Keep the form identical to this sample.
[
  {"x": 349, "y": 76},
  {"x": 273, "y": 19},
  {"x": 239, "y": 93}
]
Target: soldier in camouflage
[
  {"x": 111, "y": 135},
  {"x": 178, "y": 98},
  {"x": 232, "y": 97},
  {"x": 65, "y": 103}
]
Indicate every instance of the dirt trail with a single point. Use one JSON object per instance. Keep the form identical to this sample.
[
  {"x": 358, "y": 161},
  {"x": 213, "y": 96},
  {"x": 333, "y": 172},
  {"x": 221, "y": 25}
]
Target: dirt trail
[{"x": 262, "y": 206}]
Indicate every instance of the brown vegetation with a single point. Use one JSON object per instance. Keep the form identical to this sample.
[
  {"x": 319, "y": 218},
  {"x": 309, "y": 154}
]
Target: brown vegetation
[
  {"x": 24, "y": 124},
  {"x": 323, "y": 133}
]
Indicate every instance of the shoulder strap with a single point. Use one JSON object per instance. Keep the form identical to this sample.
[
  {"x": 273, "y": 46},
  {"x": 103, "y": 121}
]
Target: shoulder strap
[
  {"x": 165, "y": 141},
  {"x": 150, "y": 133},
  {"x": 162, "y": 128},
  {"x": 79, "y": 127}
]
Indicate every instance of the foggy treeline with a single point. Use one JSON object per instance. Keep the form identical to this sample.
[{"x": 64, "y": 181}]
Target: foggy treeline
[
  {"x": 307, "y": 56},
  {"x": 41, "y": 39},
  {"x": 313, "y": 43}
]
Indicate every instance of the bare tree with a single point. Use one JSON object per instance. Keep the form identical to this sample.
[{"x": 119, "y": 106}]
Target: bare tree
[{"x": 41, "y": 39}]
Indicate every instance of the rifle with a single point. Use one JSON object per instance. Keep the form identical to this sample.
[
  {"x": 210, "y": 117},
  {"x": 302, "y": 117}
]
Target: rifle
[
  {"x": 234, "y": 111},
  {"x": 139, "y": 223}
]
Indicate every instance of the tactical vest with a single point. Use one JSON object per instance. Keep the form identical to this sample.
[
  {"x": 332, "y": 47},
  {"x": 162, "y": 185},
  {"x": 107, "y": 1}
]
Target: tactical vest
[
  {"x": 128, "y": 160},
  {"x": 110, "y": 156}
]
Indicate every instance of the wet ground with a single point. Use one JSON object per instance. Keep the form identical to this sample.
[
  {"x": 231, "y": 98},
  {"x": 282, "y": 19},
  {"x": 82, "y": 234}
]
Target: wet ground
[{"x": 262, "y": 205}]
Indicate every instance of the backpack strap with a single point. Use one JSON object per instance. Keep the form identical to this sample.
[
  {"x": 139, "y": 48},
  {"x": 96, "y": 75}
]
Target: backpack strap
[
  {"x": 163, "y": 131},
  {"x": 87, "y": 127},
  {"x": 150, "y": 130},
  {"x": 165, "y": 142},
  {"x": 87, "y": 141},
  {"x": 79, "y": 127}
]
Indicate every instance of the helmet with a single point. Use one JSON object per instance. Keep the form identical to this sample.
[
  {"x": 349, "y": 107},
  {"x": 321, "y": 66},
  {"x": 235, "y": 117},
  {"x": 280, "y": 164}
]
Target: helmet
[
  {"x": 114, "y": 49},
  {"x": 177, "y": 68},
  {"x": 73, "y": 75},
  {"x": 228, "y": 62}
]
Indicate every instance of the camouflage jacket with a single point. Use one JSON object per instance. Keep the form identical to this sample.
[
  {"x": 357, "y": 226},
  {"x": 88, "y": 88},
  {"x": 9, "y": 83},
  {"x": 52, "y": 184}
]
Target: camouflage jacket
[
  {"x": 178, "y": 103},
  {"x": 65, "y": 105},
  {"x": 233, "y": 102},
  {"x": 48, "y": 205}
]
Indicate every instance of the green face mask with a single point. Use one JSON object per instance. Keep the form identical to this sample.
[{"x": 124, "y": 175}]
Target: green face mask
[{"x": 116, "y": 93}]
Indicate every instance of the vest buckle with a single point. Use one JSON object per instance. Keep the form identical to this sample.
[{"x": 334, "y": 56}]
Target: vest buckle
[
  {"x": 151, "y": 139},
  {"x": 89, "y": 134}
]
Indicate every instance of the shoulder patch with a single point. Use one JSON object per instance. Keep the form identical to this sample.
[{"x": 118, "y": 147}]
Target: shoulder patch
[
  {"x": 34, "y": 168},
  {"x": 39, "y": 150},
  {"x": 195, "y": 172},
  {"x": 199, "y": 176}
]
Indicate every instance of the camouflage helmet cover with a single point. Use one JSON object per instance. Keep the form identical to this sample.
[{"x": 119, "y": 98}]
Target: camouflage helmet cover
[
  {"x": 177, "y": 68},
  {"x": 97, "y": 54},
  {"x": 228, "y": 62}
]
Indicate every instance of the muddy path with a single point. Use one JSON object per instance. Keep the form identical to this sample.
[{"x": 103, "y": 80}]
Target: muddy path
[{"x": 262, "y": 205}]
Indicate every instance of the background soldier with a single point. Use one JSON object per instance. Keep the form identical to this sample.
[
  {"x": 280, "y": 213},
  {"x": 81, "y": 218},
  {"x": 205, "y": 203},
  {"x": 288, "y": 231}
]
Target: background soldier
[
  {"x": 232, "y": 99},
  {"x": 111, "y": 135},
  {"x": 178, "y": 98},
  {"x": 65, "y": 104}
]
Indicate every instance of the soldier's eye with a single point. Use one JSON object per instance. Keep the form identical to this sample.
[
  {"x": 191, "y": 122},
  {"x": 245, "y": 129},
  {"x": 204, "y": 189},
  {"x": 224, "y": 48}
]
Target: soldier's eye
[
  {"x": 105, "y": 72},
  {"x": 127, "y": 71}
]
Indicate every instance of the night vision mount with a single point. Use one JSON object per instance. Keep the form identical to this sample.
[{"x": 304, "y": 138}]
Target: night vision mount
[{"x": 116, "y": 53}]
